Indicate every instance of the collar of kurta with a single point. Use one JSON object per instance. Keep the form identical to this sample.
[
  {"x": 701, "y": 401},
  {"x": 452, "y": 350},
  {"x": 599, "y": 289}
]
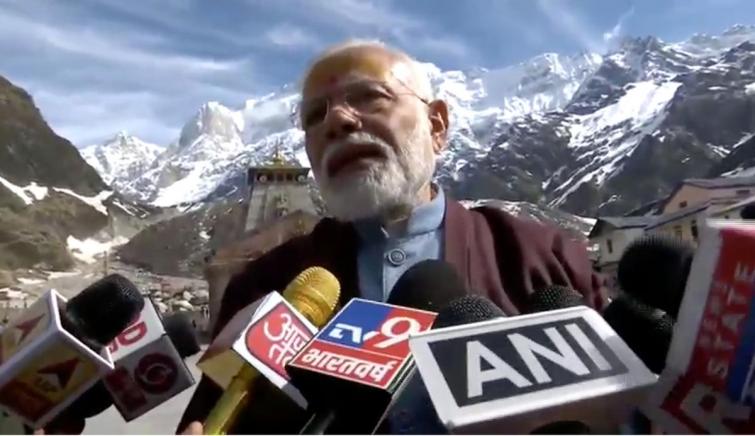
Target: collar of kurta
[
  {"x": 426, "y": 218},
  {"x": 338, "y": 245}
]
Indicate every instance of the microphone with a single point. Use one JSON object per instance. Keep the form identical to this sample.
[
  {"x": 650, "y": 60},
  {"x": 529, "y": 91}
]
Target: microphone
[
  {"x": 554, "y": 371},
  {"x": 149, "y": 362},
  {"x": 121, "y": 386},
  {"x": 363, "y": 351},
  {"x": 553, "y": 297},
  {"x": 646, "y": 330},
  {"x": 55, "y": 350},
  {"x": 748, "y": 212},
  {"x": 262, "y": 338},
  {"x": 654, "y": 270},
  {"x": 707, "y": 383}
]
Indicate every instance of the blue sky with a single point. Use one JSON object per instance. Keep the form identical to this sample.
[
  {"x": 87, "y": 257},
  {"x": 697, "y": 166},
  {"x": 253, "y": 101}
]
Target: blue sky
[{"x": 98, "y": 66}]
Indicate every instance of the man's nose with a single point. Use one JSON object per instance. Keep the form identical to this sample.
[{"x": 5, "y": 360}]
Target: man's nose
[{"x": 340, "y": 121}]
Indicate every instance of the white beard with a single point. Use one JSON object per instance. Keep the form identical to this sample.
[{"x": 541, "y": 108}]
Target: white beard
[{"x": 387, "y": 185}]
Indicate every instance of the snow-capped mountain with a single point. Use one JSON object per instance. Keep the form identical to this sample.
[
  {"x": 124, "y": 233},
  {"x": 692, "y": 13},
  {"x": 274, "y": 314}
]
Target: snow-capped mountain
[
  {"x": 218, "y": 144},
  {"x": 586, "y": 133},
  {"x": 122, "y": 158}
]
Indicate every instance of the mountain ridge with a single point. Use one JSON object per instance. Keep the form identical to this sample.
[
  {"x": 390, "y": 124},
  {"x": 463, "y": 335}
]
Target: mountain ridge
[{"x": 565, "y": 131}]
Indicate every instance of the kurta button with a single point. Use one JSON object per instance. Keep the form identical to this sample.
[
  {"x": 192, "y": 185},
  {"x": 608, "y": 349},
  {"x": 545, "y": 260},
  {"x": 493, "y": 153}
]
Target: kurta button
[{"x": 396, "y": 256}]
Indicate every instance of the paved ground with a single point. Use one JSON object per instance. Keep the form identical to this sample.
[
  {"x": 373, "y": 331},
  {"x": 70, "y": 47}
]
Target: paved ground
[{"x": 160, "y": 420}]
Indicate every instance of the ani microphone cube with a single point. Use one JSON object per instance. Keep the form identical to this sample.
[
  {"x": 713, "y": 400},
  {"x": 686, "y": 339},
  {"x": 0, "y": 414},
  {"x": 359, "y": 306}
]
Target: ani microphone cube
[
  {"x": 514, "y": 375},
  {"x": 148, "y": 369},
  {"x": 44, "y": 367}
]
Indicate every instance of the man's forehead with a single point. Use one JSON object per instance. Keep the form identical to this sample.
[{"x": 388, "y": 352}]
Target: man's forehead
[{"x": 333, "y": 71}]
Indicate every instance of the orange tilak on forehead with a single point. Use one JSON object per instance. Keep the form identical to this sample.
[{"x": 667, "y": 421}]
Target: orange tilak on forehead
[{"x": 334, "y": 71}]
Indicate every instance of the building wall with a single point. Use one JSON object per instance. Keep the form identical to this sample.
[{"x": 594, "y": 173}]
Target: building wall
[
  {"x": 231, "y": 259},
  {"x": 730, "y": 214},
  {"x": 684, "y": 227},
  {"x": 620, "y": 239},
  {"x": 262, "y": 205},
  {"x": 692, "y": 195}
]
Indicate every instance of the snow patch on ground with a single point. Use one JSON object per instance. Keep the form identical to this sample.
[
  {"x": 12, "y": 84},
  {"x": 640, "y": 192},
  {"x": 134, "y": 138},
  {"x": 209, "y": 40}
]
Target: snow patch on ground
[
  {"x": 95, "y": 202},
  {"x": 89, "y": 249},
  {"x": 28, "y": 194}
]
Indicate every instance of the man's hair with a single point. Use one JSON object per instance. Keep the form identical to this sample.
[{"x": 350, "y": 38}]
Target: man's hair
[{"x": 419, "y": 81}]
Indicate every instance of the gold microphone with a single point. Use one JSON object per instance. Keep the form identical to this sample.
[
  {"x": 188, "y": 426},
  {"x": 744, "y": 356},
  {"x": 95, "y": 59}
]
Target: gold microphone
[{"x": 313, "y": 293}]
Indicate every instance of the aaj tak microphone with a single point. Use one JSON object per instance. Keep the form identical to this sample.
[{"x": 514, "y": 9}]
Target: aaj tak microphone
[
  {"x": 261, "y": 338},
  {"x": 361, "y": 353},
  {"x": 55, "y": 350},
  {"x": 518, "y": 374},
  {"x": 708, "y": 384},
  {"x": 149, "y": 366}
]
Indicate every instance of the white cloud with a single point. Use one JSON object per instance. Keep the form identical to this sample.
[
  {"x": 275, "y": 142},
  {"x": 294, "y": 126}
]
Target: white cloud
[
  {"x": 612, "y": 36},
  {"x": 569, "y": 23},
  {"x": 108, "y": 47},
  {"x": 290, "y": 36},
  {"x": 366, "y": 15},
  {"x": 88, "y": 117}
]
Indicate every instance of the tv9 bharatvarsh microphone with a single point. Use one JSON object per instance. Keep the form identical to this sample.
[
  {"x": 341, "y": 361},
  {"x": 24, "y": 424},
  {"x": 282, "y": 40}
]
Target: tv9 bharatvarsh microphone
[
  {"x": 523, "y": 373},
  {"x": 363, "y": 351},
  {"x": 428, "y": 285},
  {"x": 261, "y": 338},
  {"x": 708, "y": 384},
  {"x": 55, "y": 350}
]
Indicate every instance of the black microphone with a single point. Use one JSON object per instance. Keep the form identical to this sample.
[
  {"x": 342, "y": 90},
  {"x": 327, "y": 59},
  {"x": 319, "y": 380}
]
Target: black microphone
[
  {"x": 553, "y": 297},
  {"x": 181, "y": 333},
  {"x": 654, "y": 270},
  {"x": 94, "y": 317},
  {"x": 646, "y": 330},
  {"x": 748, "y": 212}
]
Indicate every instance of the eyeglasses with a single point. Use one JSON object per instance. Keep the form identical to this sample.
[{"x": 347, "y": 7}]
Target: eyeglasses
[{"x": 364, "y": 97}]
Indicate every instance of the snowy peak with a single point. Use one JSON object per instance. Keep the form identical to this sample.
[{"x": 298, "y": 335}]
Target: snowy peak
[
  {"x": 122, "y": 157},
  {"x": 212, "y": 119},
  {"x": 703, "y": 45}
]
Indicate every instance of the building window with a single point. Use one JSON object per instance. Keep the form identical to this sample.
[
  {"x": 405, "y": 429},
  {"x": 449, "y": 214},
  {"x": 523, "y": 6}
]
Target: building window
[
  {"x": 743, "y": 192},
  {"x": 682, "y": 204},
  {"x": 609, "y": 244},
  {"x": 694, "y": 229},
  {"x": 678, "y": 231}
]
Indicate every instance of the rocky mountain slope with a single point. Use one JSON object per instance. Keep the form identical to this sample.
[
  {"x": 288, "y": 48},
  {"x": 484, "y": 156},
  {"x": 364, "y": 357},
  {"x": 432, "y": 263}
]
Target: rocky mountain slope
[
  {"x": 51, "y": 201},
  {"x": 588, "y": 134}
]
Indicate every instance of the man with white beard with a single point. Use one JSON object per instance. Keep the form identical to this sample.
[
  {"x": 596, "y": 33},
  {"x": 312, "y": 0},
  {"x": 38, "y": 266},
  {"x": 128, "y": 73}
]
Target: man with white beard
[{"x": 373, "y": 130}]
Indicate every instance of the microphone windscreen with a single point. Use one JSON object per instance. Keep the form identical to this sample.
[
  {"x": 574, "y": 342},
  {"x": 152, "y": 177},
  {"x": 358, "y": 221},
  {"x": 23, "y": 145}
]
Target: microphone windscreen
[
  {"x": 654, "y": 270},
  {"x": 646, "y": 330},
  {"x": 181, "y": 331},
  {"x": 105, "y": 308},
  {"x": 563, "y": 427},
  {"x": 428, "y": 285},
  {"x": 554, "y": 297},
  {"x": 748, "y": 212},
  {"x": 466, "y": 310}
]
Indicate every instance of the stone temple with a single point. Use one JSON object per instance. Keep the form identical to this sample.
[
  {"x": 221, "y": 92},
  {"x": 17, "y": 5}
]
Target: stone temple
[{"x": 278, "y": 206}]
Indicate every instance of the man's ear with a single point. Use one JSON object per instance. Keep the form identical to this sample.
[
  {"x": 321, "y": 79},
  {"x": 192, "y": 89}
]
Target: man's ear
[{"x": 438, "y": 115}]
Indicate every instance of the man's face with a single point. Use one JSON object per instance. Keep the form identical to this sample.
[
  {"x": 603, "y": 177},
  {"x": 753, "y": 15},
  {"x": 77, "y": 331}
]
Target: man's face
[{"x": 369, "y": 137}]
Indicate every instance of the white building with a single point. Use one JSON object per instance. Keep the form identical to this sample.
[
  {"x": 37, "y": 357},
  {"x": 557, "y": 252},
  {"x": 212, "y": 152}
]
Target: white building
[{"x": 612, "y": 235}]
